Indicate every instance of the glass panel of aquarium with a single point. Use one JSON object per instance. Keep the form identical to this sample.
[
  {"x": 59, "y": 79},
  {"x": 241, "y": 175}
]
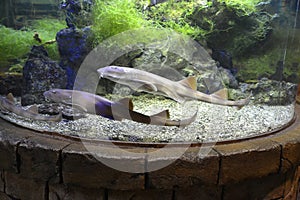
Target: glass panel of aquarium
[{"x": 163, "y": 71}]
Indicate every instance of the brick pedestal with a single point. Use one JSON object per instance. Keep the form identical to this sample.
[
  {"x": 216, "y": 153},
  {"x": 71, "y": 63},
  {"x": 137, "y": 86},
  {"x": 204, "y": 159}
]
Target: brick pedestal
[{"x": 40, "y": 166}]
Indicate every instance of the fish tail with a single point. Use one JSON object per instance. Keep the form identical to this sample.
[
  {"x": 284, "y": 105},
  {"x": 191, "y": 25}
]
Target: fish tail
[{"x": 181, "y": 123}]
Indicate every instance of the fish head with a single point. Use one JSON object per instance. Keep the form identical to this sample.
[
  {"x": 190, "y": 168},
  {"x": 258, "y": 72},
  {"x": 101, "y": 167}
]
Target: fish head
[
  {"x": 113, "y": 73},
  {"x": 58, "y": 95}
]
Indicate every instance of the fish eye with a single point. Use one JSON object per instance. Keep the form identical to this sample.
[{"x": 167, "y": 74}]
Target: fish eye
[{"x": 119, "y": 69}]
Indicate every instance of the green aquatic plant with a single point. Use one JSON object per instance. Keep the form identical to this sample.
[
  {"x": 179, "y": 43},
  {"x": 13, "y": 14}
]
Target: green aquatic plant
[
  {"x": 281, "y": 47},
  {"x": 177, "y": 16},
  {"x": 116, "y": 16},
  {"x": 15, "y": 44},
  {"x": 113, "y": 17},
  {"x": 47, "y": 29},
  {"x": 241, "y": 7}
]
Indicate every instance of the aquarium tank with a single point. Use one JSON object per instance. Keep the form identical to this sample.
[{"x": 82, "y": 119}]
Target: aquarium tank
[{"x": 150, "y": 71}]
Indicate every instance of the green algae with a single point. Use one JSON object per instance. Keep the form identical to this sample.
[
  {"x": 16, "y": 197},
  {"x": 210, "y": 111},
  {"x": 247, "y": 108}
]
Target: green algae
[
  {"x": 15, "y": 44},
  {"x": 113, "y": 17},
  {"x": 281, "y": 47}
]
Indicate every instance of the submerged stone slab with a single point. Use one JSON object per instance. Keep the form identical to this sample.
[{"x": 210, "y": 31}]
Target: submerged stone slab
[
  {"x": 63, "y": 192},
  {"x": 248, "y": 160},
  {"x": 41, "y": 166},
  {"x": 8, "y": 158},
  {"x": 203, "y": 192},
  {"x": 80, "y": 167},
  {"x": 3, "y": 196},
  {"x": 270, "y": 187},
  {"x": 197, "y": 166},
  {"x": 21, "y": 188},
  {"x": 139, "y": 194},
  {"x": 10, "y": 137},
  {"x": 2, "y": 184},
  {"x": 40, "y": 158},
  {"x": 290, "y": 148},
  {"x": 291, "y": 189}
]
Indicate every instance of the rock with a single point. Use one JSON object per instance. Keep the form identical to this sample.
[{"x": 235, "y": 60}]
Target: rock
[
  {"x": 227, "y": 77},
  {"x": 167, "y": 64},
  {"x": 40, "y": 74},
  {"x": 49, "y": 109},
  {"x": 209, "y": 83},
  {"x": 155, "y": 58},
  {"x": 78, "y": 13},
  {"x": 68, "y": 112},
  {"x": 271, "y": 92},
  {"x": 73, "y": 46},
  {"x": 278, "y": 75},
  {"x": 11, "y": 83},
  {"x": 150, "y": 58},
  {"x": 223, "y": 57},
  {"x": 244, "y": 31},
  {"x": 293, "y": 78},
  {"x": 127, "y": 59}
]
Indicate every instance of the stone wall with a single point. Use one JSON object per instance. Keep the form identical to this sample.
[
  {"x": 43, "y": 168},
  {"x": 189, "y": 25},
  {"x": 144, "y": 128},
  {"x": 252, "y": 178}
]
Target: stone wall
[{"x": 43, "y": 167}]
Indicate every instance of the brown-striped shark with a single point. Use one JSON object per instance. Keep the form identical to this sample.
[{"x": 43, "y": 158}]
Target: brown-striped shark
[
  {"x": 179, "y": 91},
  {"x": 7, "y": 104},
  {"x": 118, "y": 110}
]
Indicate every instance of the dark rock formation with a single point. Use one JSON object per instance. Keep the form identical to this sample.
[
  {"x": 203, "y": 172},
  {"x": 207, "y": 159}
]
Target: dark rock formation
[
  {"x": 244, "y": 32},
  {"x": 223, "y": 58},
  {"x": 11, "y": 83},
  {"x": 40, "y": 74},
  {"x": 271, "y": 92},
  {"x": 77, "y": 12},
  {"x": 73, "y": 46}
]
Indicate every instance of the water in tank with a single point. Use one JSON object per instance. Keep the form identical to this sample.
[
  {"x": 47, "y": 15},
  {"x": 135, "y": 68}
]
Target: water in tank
[{"x": 150, "y": 71}]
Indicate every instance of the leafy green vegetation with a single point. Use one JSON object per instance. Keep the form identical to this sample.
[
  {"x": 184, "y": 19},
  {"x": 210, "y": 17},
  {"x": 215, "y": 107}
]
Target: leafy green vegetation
[
  {"x": 177, "y": 16},
  {"x": 239, "y": 21},
  {"x": 241, "y": 7},
  {"x": 47, "y": 30},
  {"x": 115, "y": 16},
  {"x": 15, "y": 44}
]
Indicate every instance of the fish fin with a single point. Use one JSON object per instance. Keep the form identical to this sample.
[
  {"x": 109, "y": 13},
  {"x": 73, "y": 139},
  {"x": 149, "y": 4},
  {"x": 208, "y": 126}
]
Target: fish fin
[
  {"x": 79, "y": 107},
  {"x": 222, "y": 93},
  {"x": 144, "y": 85},
  {"x": 244, "y": 102},
  {"x": 298, "y": 99},
  {"x": 33, "y": 109},
  {"x": 187, "y": 121},
  {"x": 66, "y": 103},
  {"x": 173, "y": 95},
  {"x": 10, "y": 97},
  {"x": 117, "y": 118},
  {"x": 189, "y": 82},
  {"x": 127, "y": 102},
  {"x": 163, "y": 114}
]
